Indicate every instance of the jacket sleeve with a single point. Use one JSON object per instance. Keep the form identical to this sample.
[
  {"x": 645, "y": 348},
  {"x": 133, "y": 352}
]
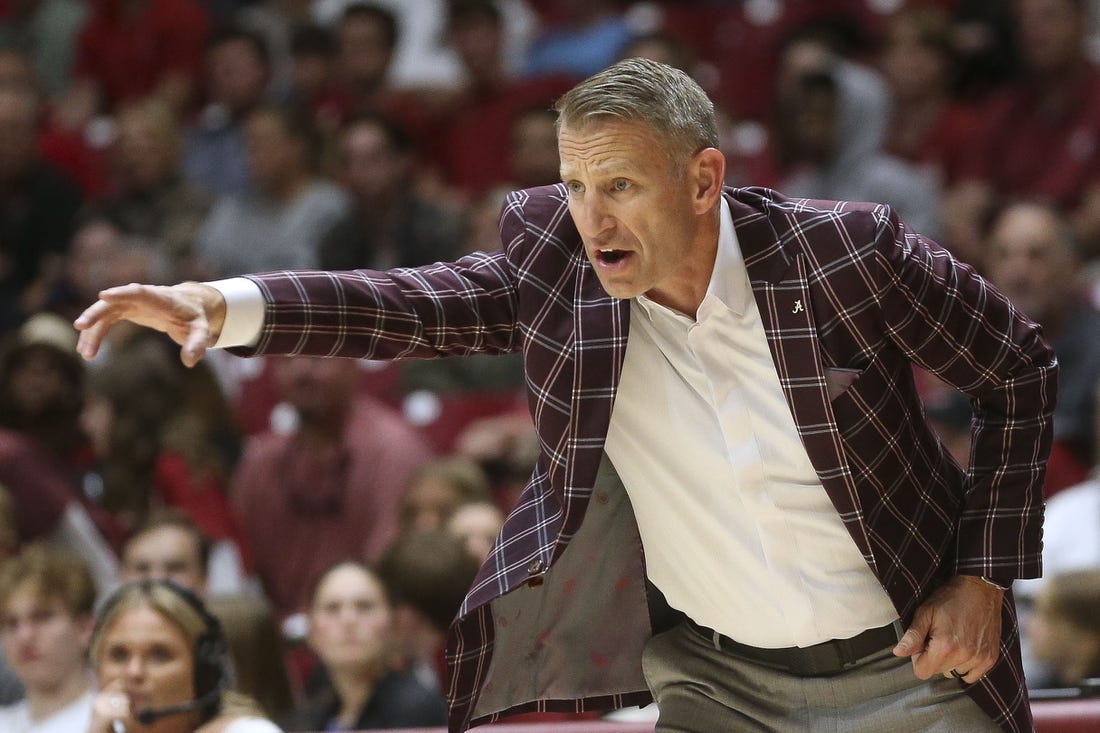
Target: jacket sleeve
[
  {"x": 445, "y": 309},
  {"x": 949, "y": 320}
]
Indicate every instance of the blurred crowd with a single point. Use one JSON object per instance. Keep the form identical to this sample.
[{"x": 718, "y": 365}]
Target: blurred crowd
[{"x": 332, "y": 512}]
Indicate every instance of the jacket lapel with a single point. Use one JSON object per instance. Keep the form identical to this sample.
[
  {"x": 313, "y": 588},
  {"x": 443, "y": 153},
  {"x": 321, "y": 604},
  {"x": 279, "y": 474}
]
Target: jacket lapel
[
  {"x": 777, "y": 273},
  {"x": 600, "y": 328}
]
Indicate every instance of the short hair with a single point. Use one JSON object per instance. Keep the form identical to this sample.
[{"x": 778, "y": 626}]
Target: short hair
[
  {"x": 467, "y": 11},
  {"x": 430, "y": 571},
  {"x": 174, "y": 519},
  {"x": 53, "y": 574},
  {"x": 395, "y": 133},
  {"x": 376, "y": 13},
  {"x": 233, "y": 33},
  {"x": 312, "y": 40},
  {"x": 299, "y": 124},
  {"x": 1063, "y": 230},
  {"x": 659, "y": 96}
]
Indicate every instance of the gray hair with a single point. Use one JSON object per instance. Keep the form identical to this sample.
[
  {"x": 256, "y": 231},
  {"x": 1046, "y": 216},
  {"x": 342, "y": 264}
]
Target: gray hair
[{"x": 664, "y": 98}]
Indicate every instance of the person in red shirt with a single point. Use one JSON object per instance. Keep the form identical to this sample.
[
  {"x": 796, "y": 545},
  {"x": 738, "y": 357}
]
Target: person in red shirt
[
  {"x": 1041, "y": 137},
  {"x": 130, "y": 49}
]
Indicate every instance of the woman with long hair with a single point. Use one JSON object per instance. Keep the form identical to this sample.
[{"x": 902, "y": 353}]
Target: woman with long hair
[{"x": 162, "y": 665}]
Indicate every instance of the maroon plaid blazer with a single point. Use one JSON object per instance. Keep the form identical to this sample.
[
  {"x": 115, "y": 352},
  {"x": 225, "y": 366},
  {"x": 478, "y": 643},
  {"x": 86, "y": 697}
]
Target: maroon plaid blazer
[{"x": 557, "y": 617}]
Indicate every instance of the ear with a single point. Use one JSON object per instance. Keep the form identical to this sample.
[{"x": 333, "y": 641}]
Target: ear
[{"x": 708, "y": 174}]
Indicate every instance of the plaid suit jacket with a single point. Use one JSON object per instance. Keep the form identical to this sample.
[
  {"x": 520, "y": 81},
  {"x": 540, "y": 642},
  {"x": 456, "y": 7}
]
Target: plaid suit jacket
[{"x": 557, "y": 616}]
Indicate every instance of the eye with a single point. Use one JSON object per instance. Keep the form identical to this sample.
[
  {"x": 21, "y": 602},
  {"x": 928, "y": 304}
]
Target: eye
[
  {"x": 620, "y": 185},
  {"x": 161, "y": 653},
  {"x": 575, "y": 187},
  {"x": 117, "y": 654}
]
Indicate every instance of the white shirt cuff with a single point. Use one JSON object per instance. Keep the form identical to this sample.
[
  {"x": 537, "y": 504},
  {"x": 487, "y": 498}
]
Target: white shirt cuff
[{"x": 244, "y": 312}]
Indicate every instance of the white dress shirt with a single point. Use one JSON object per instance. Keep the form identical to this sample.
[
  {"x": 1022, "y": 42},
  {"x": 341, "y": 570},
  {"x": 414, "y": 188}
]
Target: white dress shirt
[{"x": 738, "y": 531}]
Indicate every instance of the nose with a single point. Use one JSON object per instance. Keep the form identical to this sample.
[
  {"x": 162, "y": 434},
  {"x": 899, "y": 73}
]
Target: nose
[
  {"x": 591, "y": 216},
  {"x": 135, "y": 667}
]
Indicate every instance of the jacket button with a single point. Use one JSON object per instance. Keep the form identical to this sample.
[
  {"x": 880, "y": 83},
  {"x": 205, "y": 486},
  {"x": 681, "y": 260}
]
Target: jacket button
[{"x": 535, "y": 570}]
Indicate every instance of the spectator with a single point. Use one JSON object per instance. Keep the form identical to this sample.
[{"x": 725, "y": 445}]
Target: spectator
[
  {"x": 46, "y": 31},
  {"x": 480, "y": 114},
  {"x": 151, "y": 199},
  {"x": 366, "y": 38},
  {"x": 533, "y": 148},
  {"x": 279, "y": 224},
  {"x": 314, "y": 76},
  {"x": 827, "y": 156},
  {"x": 37, "y": 210},
  {"x": 389, "y": 224},
  {"x": 46, "y": 599},
  {"x": 129, "y": 50},
  {"x": 155, "y": 647},
  {"x": 168, "y": 546},
  {"x": 236, "y": 76},
  {"x": 338, "y": 474},
  {"x": 1042, "y": 136},
  {"x": 437, "y": 489},
  {"x": 1032, "y": 257},
  {"x": 427, "y": 575},
  {"x": 162, "y": 434},
  {"x": 101, "y": 256},
  {"x": 1065, "y": 628},
  {"x": 588, "y": 37},
  {"x": 350, "y": 618},
  {"x": 927, "y": 126},
  {"x": 477, "y": 524},
  {"x": 42, "y": 449}
]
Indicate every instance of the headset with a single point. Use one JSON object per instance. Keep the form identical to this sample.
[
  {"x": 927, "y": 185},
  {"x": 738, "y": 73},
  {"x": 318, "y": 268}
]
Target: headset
[{"x": 212, "y": 674}]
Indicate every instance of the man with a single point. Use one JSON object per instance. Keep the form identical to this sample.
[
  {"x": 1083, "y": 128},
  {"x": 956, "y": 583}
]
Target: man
[
  {"x": 237, "y": 75},
  {"x": 389, "y": 224},
  {"x": 793, "y": 500},
  {"x": 168, "y": 546},
  {"x": 1032, "y": 256},
  {"x": 327, "y": 489},
  {"x": 46, "y": 599}
]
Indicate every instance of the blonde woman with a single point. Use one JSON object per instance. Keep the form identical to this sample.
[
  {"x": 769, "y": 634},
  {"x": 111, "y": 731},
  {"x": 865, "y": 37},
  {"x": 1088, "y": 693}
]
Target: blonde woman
[{"x": 162, "y": 665}]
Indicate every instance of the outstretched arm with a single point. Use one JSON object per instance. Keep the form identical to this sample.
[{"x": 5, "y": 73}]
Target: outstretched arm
[{"x": 191, "y": 313}]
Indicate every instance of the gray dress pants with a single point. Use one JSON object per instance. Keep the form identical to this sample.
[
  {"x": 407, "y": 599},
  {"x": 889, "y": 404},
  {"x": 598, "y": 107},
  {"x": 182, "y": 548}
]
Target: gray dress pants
[{"x": 700, "y": 689}]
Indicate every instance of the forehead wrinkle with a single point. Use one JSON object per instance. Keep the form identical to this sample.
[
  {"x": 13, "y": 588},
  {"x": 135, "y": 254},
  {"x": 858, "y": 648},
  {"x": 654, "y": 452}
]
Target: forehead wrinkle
[{"x": 603, "y": 151}]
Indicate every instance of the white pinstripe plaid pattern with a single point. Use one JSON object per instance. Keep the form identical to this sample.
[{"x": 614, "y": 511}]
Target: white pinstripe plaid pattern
[{"x": 877, "y": 298}]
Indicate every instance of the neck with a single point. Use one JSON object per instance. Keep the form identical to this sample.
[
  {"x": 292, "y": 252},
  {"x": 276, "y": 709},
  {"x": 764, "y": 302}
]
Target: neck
[
  {"x": 43, "y": 703},
  {"x": 354, "y": 689},
  {"x": 322, "y": 432},
  {"x": 687, "y": 292},
  {"x": 287, "y": 188}
]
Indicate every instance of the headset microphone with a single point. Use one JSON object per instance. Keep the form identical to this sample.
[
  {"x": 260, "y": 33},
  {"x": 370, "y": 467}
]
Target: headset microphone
[{"x": 148, "y": 716}]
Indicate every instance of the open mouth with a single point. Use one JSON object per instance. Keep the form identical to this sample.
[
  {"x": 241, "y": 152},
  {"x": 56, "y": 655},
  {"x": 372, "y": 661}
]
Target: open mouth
[{"x": 611, "y": 256}]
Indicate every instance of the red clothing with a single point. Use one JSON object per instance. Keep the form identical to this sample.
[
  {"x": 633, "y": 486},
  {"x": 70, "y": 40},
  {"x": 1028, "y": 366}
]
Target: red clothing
[
  {"x": 41, "y": 487},
  {"x": 947, "y": 145},
  {"x": 129, "y": 51},
  {"x": 202, "y": 498},
  {"x": 473, "y": 150},
  {"x": 1042, "y": 140},
  {"x": 302, "y": 511}
]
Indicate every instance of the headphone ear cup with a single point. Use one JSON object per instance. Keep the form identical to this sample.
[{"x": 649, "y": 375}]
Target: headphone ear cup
[{"x": 211, "y": 655}]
